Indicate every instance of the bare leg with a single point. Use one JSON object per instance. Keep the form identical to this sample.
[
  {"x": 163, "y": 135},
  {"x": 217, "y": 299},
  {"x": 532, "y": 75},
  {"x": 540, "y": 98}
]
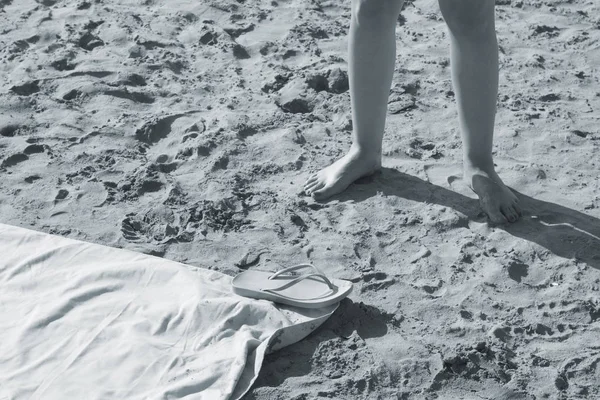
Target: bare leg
[
  {"x": 474, "y": 63},
  {"x": 372, "y": 52}
]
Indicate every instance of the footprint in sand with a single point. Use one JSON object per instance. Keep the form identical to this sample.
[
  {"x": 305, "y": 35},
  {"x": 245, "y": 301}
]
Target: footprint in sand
[
  {"x": 34, "y": 148},
  {"x": 143, "y": 180},
  {"x": 137, "y": 97},
  {"x": 9, "y": 130},
  {"x": 376, "y": 281},
  {"x": 158, "y": 225},
  {"x": 32, "y": 178},
  {"x": 26, "y": 89},
  {"x": 63, "y": 64},
  {"x": 14, "y": 160},
  {"x": 156, "y": 129},
  {"x": 46, "y": 3},
  {"x": 89, "y": 42}
]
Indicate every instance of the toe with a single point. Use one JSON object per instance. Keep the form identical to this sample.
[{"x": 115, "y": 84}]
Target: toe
[
  {"x": 311, "y": 179},
  {"x": 316, "y": 186},
  {"x": 516, "y": 212},
  {"x": 320, "y": 194},
  {"x": 311, "y": 186},
  {"x": 492, "y": 210},
  {"x": 518, "y": 209},
  {"x": 512, "y": 215},
  {"x": 308, "y": 188},
  {"x": 509, "y": 214},
  {"x": 497, "y": 217}
]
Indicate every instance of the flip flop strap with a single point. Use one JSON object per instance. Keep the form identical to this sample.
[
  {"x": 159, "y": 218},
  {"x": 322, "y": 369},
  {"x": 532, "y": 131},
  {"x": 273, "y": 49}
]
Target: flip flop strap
[
  {"x": 300, "y": 278},
  {"x": 293, "y": 268}
]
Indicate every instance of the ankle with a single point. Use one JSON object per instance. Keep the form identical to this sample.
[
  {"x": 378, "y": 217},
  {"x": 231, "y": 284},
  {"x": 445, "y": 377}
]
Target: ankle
[
  {"x": 365, "y": 152},
  {"x": 485, "y": 164}
]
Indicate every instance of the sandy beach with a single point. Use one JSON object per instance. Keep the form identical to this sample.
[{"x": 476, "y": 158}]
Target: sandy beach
[{"x": 186, "y": 129}]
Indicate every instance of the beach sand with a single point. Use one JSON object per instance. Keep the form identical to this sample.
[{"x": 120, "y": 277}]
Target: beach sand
[{"x": 186, "y": 129}]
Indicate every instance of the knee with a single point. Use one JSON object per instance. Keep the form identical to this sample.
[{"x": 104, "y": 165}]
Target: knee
[
  {"x": 376, "y": 11},
  {"x": 468, "y": 18}
]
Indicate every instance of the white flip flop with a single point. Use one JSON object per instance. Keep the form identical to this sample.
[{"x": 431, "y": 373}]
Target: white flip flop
[{"x": 310, "y": 290}]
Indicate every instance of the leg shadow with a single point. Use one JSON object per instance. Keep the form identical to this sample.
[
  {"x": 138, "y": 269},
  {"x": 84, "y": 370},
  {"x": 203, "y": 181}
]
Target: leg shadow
[{"x": 564, "y": 232}]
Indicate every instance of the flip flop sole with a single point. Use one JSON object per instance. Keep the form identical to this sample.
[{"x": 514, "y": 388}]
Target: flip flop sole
[{"x": 308, "y": 293}]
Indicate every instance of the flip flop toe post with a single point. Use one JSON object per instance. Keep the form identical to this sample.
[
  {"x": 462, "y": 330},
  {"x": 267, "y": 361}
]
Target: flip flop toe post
[{"x": 309, "y": 290}]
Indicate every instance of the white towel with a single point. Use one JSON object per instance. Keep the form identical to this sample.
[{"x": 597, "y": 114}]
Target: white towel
[{"x": 86, "y": 321}]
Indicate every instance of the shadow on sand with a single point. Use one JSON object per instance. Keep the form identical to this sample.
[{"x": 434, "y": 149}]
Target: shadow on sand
[
  {"x": 298, "y": 359},
  {"x": 564, "y": 232}
]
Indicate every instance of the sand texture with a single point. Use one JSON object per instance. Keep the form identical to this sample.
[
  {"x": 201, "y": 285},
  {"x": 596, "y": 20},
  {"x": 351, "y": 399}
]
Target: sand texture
[{"x": 186, "y": 129}]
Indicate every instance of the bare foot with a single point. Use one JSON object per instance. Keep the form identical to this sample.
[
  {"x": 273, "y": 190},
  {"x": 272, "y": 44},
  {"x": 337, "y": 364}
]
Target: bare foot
[
  {"x": 339, "y": 175},
  {"x": 497, "y": 200}
]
